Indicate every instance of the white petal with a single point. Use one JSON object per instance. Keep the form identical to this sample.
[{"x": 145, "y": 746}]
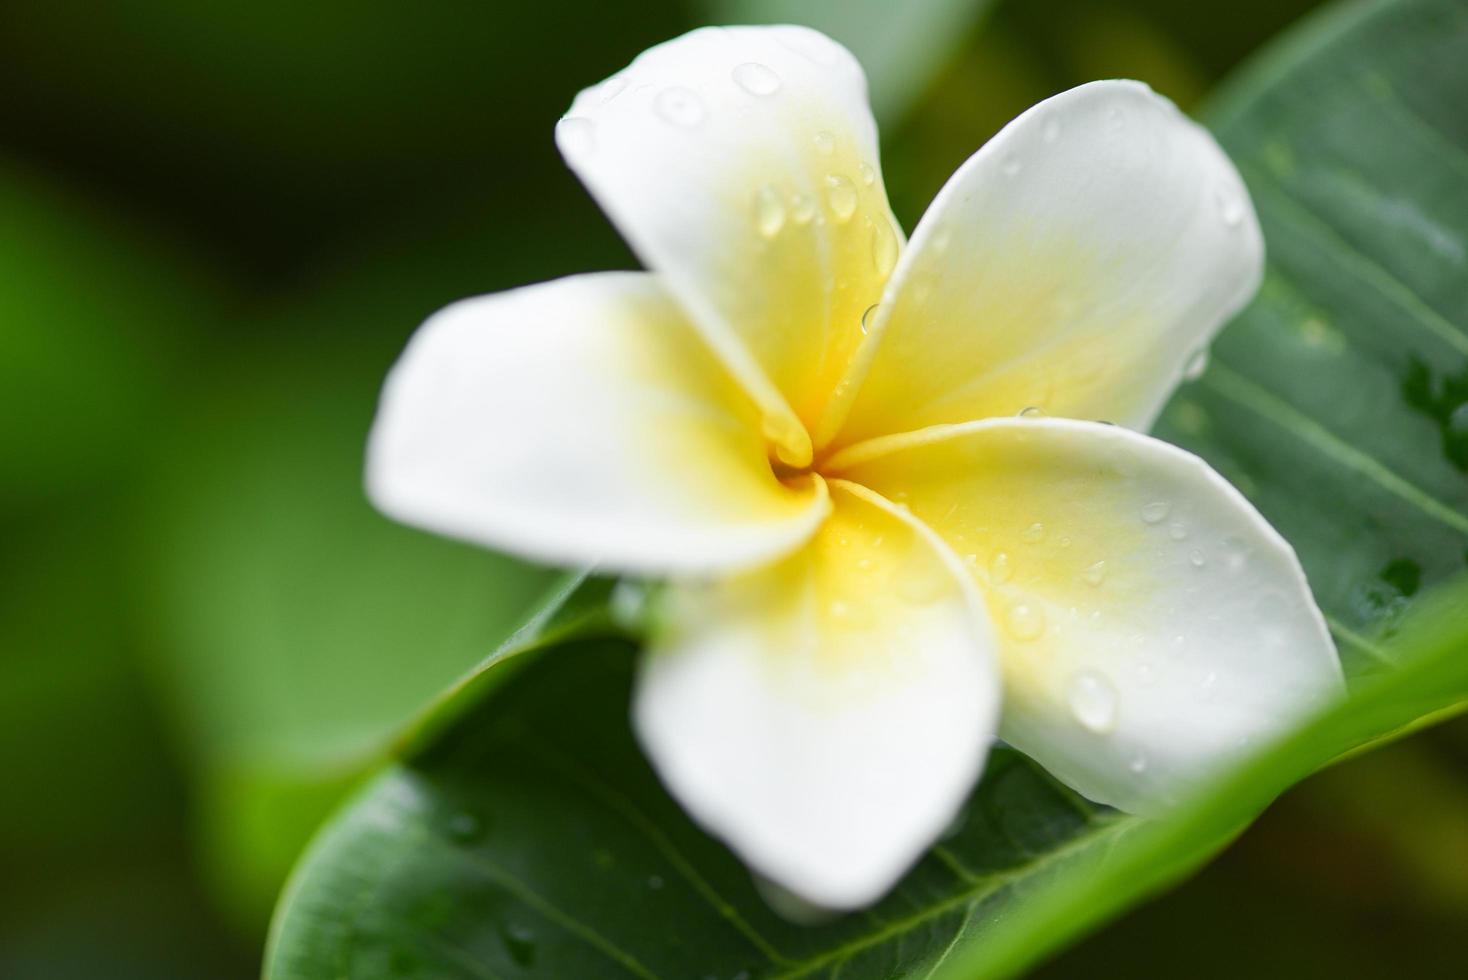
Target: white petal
[
  {"x": 582, "y": 421},
  {"x": 828, "y": 715},
  {"x": 1152, "y": 625},
  {"x": 1076, "y": 263},
  {"x": 741, "y": 165}
]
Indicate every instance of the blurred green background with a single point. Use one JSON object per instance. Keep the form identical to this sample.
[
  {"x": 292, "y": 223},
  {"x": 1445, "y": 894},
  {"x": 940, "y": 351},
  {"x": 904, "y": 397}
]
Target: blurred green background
[{"x": 218, "y": 226}]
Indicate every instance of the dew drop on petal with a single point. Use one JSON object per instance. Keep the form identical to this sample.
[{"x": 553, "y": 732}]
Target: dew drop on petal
[
  {"x": 802, "y": 208},
  {"x": 769, "y": 211},
  {"x": 576, "y": 136},
  {"x": 679, "y": 106},
  {"x": 1000, "y": 568},
  {"x": 1010, "y": 166},
  {"x": 1230, "y": 207},
  {"x": 1025, "y": 621},
  {"x": 1155, "y": 512},
  {"x": 1208, "y": 687},
  {"x": 1177, "y": 530},
  {"x": 1092, "y": 701},
  {"x": 866, "y": 173},
  {"x": 1035, "y": 532},
  {"x": 825, "y": 143},
  {"x": 841, "y": 195},
  {"x": 613, "y": 87},
  {"x": 756, "y": 79},
  {"x": 1138, "y": 765},
  {"x": 1197, "y": 559},
  {"x": 1031, "y": 412},
  {"x": 1197, "y": 364},
  {"x": 1095, "y": 574},
  {"x": 866, "y": 319}
]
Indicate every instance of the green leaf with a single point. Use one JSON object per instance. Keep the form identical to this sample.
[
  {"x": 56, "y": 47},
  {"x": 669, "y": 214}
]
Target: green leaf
[
  {"x": 525, "y": 835},
  {"x": 95, "y": 309},
  {"x": 1338, "y": 402}
]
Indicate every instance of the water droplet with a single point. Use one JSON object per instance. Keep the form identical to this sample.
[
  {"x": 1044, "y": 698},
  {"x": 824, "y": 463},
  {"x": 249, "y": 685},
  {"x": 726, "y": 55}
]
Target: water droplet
[
  {"x": 576, "y": 136},
  {"x": 1000, "y": 568},
  {"x": 628, "y": 604},
  {"x": 1035, "y": 532},
  {"x": 1236, "y": 553},
  {"x": 519, "y": 943},
  {"x": 841, "y": 195},
  {"x": 825, "y": 143},
  {"x": 866, "y": 173},
  {"x": 1031, "y": 412},
  {"x": 1137, "y": 765},
  {"x": 1208, "y": 688},
  {"x": 1051, "y": 131},
  {"x": 1092, "y": 701},
  {"x": 1177, "y": 530},
  {"x": 1010, "y": 166},
  {"x": 1026, "y": 622},
  {"x": 866, "y": 319},
  {"x": 802, "y": 208},
  {"x": 756, "y": 79},
  {"x": 884, "y": 248},
  {"x": 769, "y": 211},
  {"x": 1197, "y": 559},
  {"x": 655, "y": 882},
  {"x": 679, "y": 106},
  {"x": 613, "y": 87},
  {"x": 1095, "y": 574},
  {"x": 1230, "y": 207},
  {"x": 1154, "y": 512},
  {"x": 465, "y": 827},
  {"x": 1197, "y": 364}
]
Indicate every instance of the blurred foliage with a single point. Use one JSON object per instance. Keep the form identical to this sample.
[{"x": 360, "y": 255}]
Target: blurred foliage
[{"x": 221, "y": 223}]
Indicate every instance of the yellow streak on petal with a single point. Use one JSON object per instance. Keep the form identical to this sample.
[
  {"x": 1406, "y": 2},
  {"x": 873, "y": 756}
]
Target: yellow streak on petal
[{"x": 812, "y": 257}]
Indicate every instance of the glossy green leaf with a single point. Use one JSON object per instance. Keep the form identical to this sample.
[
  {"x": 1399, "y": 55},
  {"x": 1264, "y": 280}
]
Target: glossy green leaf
[{"x": 524, "y": 834}]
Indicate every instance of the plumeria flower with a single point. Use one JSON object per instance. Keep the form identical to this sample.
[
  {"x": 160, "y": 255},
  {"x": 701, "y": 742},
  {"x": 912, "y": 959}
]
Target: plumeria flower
[{"x": 866, "y": 470}]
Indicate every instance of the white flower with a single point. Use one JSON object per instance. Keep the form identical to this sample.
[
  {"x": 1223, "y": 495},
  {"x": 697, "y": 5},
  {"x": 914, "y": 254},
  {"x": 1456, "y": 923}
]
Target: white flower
[{"x": 878, "y": 555}]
